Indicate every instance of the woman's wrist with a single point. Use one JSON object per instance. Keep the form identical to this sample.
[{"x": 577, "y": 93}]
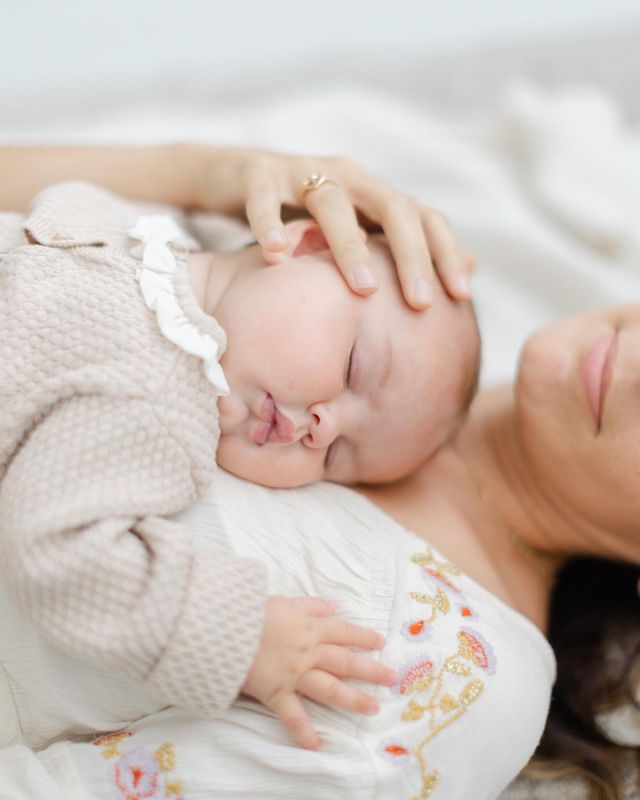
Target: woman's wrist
[{"x": 217, "y": 176}]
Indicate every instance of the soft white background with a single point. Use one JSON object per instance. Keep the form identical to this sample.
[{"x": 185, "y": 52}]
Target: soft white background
[
  {"x": 519, "y": 119},
  {"x": 47, "y": 45}
]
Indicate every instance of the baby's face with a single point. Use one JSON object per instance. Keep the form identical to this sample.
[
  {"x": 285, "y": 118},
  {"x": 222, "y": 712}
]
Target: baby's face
[{"x": 328, "y": 385}]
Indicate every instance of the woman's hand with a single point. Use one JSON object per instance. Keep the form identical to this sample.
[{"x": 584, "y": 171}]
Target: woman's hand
[
  {"x": 256, "y": 182},
  {"x": 261, "y": 182},
  {"x": 304, "y": 650}
]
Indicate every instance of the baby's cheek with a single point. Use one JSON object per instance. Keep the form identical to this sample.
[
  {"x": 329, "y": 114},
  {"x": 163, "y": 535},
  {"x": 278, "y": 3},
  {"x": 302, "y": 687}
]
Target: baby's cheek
[{"x": 276, "y": 467}]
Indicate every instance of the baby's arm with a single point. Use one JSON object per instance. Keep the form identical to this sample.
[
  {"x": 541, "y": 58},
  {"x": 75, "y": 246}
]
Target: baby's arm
[
  {"x": 109, "y": 582},
  {"x": 112, "y": 584},
  {"x": 258, "y": 183}
]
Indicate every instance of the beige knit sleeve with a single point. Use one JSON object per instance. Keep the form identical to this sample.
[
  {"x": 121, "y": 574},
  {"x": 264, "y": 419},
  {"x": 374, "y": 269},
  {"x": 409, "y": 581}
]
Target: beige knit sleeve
[{"x": 89, "y": 559}]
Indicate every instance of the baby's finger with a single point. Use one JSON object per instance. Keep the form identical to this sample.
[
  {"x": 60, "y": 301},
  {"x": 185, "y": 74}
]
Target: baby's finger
[
  {"x": 316, "y": 606},
  {"x": 328, "y": 690},
  {"x": 339, "y": 631},
  {"x": 294, "y": 716},
  {"x": 337, "y": 219},
  {"x": 449, "y": 261},
  {"x": 402, "y": 225},
  {"x": 346, "y": 663}
]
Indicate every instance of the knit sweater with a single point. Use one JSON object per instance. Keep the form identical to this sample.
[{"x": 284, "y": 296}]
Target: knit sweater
[{"x": 106, "y": 427}]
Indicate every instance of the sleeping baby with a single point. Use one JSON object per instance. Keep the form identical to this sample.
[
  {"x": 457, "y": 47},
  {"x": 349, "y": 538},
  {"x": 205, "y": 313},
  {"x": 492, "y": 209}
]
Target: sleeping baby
[{"x": 131, "y": 363}]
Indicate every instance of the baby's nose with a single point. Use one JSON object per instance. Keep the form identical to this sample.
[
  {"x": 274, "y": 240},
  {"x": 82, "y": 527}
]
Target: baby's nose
[{"x": 323, "y": 426}]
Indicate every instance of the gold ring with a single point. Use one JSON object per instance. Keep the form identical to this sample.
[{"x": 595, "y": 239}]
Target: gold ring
[{"x": 314, "y": 182}]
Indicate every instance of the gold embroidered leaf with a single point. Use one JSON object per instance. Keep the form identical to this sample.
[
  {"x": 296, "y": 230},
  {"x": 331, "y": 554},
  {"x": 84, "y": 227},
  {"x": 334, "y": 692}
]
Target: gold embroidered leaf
[
  {"x": 448, "y": 702},
  {"x": 457, "y": 667},
  {"x": 172, "y": 787},
  {"x": 441, "y": 602},
  {"x": 471, "y": 692},
  {"x": 166, "y": 757}
]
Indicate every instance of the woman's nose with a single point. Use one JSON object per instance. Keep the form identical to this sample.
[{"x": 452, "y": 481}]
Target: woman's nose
[{"x": 323, "y": 425}]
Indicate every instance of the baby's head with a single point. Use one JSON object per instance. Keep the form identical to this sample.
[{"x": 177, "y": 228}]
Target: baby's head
[{"x": 329, "y": 385}]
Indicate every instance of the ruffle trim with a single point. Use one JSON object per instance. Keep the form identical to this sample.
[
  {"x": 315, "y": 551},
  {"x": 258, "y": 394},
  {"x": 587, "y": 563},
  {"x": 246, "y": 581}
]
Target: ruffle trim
[{"x": 160, "y": 279}]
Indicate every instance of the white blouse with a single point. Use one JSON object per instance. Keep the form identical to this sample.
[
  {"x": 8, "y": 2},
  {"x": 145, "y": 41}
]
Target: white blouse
[{"x": 475, "y": 676}]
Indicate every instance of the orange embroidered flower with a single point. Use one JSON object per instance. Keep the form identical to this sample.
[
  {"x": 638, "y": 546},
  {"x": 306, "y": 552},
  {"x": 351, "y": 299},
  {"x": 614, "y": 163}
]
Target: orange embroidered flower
[
  {"x": 465, "y": 609},
  {"x": 477, "y": 649},
  {"x": 430, "y": 575},
  {"x": 111, "y": 738},
  {"x": 394, "y": 750},
  {"x": 410, "y": 676},
  {"x": 416, "y": 631}
]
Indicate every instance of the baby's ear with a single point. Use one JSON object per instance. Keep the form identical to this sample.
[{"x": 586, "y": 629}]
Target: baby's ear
[{"x": 305, "y": 238}]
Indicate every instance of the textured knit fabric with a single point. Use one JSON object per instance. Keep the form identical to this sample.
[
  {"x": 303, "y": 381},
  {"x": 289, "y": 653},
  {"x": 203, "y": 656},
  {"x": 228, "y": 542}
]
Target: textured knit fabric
[
  {"x": 106, "y": 427},
  {"x": 464, "y": 718}
]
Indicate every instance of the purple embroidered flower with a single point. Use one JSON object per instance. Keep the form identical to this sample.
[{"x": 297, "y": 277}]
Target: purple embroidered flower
[
  {"x": 478, "y": 650},
  {"x": 418, "y": 630},
  {"x": 136, "y": 775}
]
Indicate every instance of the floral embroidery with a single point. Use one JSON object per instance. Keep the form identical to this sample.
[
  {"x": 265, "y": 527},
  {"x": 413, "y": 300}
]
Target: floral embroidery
[
  {"x": 479, "y": 650},
  {"x": 139, "y": 774},
  {"x": 395, "y": 750},
  {"x": 437, "y": 696},
  {"x": 418, "y": 630},
  {"x": 465, "y": 610},
  {"x": 412, "y": 675},
  {"x": 110, "y": 741}
]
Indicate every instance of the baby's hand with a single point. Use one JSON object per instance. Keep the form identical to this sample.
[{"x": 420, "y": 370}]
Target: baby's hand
[
  {"x": 304, "y": 650},
  {"x": 420, "y": 238}
]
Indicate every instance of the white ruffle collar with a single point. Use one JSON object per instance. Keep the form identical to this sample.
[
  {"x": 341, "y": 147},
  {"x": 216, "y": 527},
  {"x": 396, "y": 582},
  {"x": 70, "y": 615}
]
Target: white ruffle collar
[{"x": 167, "y": 290}]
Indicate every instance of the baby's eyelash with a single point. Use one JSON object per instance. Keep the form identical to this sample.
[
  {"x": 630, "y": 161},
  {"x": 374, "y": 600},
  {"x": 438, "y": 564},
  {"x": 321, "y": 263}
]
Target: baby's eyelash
[{"x": 347, "y": 375}]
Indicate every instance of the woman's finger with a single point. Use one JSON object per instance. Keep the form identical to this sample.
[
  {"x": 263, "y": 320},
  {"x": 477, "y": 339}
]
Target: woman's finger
[
  {"x": 263, "y": 209},
  {"x": 295, "y": 718},
  {"x": 447, "y": 256},
  {"x": 327, "y": 689},
  {"x": 339, "y": 631},
  {"x": 346, "y": 663},
  {"x": 337, "y": 219},
  {"x": 402, "y": 225}
]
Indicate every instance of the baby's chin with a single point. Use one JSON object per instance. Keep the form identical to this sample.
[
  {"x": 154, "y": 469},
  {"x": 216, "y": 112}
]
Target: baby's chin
[{"x": 262, "y": 471}]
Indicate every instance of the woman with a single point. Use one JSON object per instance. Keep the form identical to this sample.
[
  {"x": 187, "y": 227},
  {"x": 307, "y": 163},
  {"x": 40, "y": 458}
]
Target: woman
[
  {"x": 469, "y": 703},
  {"x": 541, "y": 471}
]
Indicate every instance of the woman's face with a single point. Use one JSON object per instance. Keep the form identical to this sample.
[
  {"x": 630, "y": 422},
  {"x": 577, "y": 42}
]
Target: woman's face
[{"x": 577, "y": 401}]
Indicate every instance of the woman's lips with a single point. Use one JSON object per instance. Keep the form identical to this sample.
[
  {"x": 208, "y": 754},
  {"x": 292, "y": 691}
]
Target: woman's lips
[
  {"x": 273, "y": 425},
  {"x": 597, "y": 369}
]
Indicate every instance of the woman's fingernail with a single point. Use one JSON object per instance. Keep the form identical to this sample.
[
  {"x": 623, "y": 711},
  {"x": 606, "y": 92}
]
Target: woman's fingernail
[
  {"x": 381, "y": 641},
  {"x": 362, "y": 277},
  {"x": 423, "y": 292},
  {"x": 393, "y": 679},
  {"x": 463, "y": 286},
  {"x": 274, "y": 238}
]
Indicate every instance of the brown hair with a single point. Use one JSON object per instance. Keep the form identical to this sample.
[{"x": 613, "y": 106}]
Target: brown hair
[{"x": 595, "y": 632}]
